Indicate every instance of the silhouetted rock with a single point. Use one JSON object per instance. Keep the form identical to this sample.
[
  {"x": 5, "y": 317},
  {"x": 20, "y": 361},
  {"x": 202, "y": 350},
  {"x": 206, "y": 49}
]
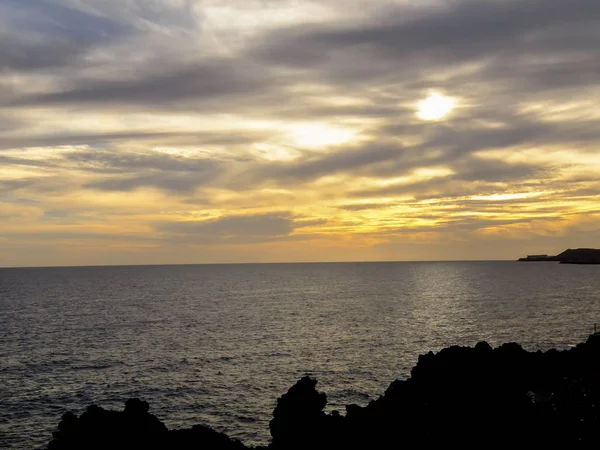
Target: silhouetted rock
[
  {"x": 298, "y": 417},
  {"x": 201, "y": 437},
  {"x": 134, "y": 428},
  {"x": 570, "y": 256},
  {"x": 460, "y": 396}
]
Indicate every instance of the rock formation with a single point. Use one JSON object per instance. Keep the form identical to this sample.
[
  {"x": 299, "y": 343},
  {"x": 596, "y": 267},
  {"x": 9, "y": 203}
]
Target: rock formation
[
  {"x": 468, "y": 397},
  {"x": 570, "y": 256}
]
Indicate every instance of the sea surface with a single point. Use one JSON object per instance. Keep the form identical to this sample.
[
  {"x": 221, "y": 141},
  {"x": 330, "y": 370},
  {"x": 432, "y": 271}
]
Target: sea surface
[{"x": 217, "y": 344}]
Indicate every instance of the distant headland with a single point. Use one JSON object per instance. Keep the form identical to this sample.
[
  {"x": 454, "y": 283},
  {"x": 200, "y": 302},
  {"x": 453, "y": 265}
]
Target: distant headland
[{"x": 570, "y": 256}]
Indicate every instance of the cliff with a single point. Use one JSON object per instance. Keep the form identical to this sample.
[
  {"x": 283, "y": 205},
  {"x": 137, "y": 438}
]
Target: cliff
[
  {"x": 468, "y": 397},
  {"x": 570, "y": 256}
]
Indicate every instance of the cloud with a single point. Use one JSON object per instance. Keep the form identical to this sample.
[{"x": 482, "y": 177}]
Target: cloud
[
  {"x": 19, "y": 200},
  {"x": 13, "y": 185},
  {"x": 175, "y": 183},
  {"x": 231, "y": 229},
  {"x": 47, "y": 185},
  {"x": 120, "y": 170},
  {"x": 67, "y": 217},
  {"x": 388, "y": 158},
  {"x": 211, "y": 81},
  {"x": 365, "y": 206},
  {"x": 51, "y": 138},
  {"x": 112, "y": 138},
  {"x": 473, "y": 176},
  {"x": 171, "y": 173},
  {"x": 117, "y": 161},
  {"x": 450, "y": 32},
  {"x": 67, "y": 235},
  {"x": 14, "y": 161},
  {"x": 41, "y": 35},
  {"x": 149, "y": 115},
  {"x": 344, "y": 160}
]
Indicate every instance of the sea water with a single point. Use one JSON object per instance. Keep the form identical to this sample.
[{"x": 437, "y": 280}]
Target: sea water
[{"x": 217, "y": 344}]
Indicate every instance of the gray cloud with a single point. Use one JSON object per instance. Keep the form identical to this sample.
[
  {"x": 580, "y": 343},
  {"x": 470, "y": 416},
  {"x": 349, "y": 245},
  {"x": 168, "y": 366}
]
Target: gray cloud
[
  {"x": 519, "y": 45},
  {"x": 14, "y": 161},
  {"x": 120, "y": 161},
  {"x": 8, "y": 123},
  {"x": 18, "y": 200},
  {"x": 309, "y": 223},
  {"x": 233, "y": 229},
  {"x": 210, "y": 81},
  {"x": 455, "y": 31},
  {"x": 366, "y": 206},
  {"x": 70, "y": 235},
  {"x": 53, "y": 139},
  {"x": 262, "y": 224},
  {"x": 346, "y": 160},
  {"x": 13, "y": 185},
  {"x": 69, "y": 217},
  {"x": 37, "y": 185},
  {"x": 205, "y": 139},
  {"x": 120, "y": 170},
  {"x": 493, "y": 170},
  {"x": 56, "y": 19},
  {"x": 386, "y": 157},
  {"x": 171, "y": 173},
  {"x": 472, "y": 176},
  {"x": 591, "y": 190},
  {"x": 39, "y": 34},
  {"x": 19, "y": 54},
  {"x": 465, "y": 225},
  {"x": 178, "y": 183},
  {"x": 508, "y": 36}
]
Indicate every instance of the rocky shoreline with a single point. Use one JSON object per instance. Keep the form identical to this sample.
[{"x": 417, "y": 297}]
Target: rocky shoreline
[{"x": 473, "y": 397}]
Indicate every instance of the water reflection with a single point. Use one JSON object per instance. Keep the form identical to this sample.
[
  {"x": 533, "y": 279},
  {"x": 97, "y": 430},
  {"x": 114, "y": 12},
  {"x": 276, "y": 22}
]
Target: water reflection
[{"x": 217, "y": 343}]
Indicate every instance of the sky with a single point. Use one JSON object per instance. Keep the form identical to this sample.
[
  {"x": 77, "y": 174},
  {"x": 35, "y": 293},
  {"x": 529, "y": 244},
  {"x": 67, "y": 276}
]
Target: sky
[{"x": 217, "y": 131}]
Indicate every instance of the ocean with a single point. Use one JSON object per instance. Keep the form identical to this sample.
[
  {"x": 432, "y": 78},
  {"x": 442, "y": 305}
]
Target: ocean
[{"x": 218, "y": 344}]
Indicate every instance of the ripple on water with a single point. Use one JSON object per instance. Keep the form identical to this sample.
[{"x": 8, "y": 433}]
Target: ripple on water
[{"x": 218, "y": 344}]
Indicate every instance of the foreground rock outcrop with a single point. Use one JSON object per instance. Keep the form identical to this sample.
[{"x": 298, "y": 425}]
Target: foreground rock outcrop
[
  {"x": 133, "y": 428},
  {"x": 469, "y": 397}
]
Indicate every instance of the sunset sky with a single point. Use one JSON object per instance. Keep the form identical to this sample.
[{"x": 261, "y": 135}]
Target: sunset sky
[{"x": 210, "y": 131}]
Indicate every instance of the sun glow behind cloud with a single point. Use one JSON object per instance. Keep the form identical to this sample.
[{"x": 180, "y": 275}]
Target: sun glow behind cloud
[{"x": 319, "y": 135}]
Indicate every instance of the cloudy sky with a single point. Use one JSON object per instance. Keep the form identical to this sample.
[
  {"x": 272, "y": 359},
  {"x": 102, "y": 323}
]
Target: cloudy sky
[{"x": 200, "y": 131}]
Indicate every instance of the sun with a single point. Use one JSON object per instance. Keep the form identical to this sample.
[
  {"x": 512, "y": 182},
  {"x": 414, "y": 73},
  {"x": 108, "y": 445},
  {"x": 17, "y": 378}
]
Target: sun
[{"x": 435, "y": 107}]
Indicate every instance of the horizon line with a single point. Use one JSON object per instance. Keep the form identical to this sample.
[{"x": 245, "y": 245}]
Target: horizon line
[{"x": 256, "y": 263}]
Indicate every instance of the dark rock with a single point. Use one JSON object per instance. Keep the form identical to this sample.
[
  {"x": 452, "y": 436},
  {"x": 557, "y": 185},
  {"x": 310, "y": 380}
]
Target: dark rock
[
  {"x": 570, "y": 256},
  {"x": 134, "y": 428},
  {"x": 460, "y": 396},
  {"x": 298, "y": 419}
]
